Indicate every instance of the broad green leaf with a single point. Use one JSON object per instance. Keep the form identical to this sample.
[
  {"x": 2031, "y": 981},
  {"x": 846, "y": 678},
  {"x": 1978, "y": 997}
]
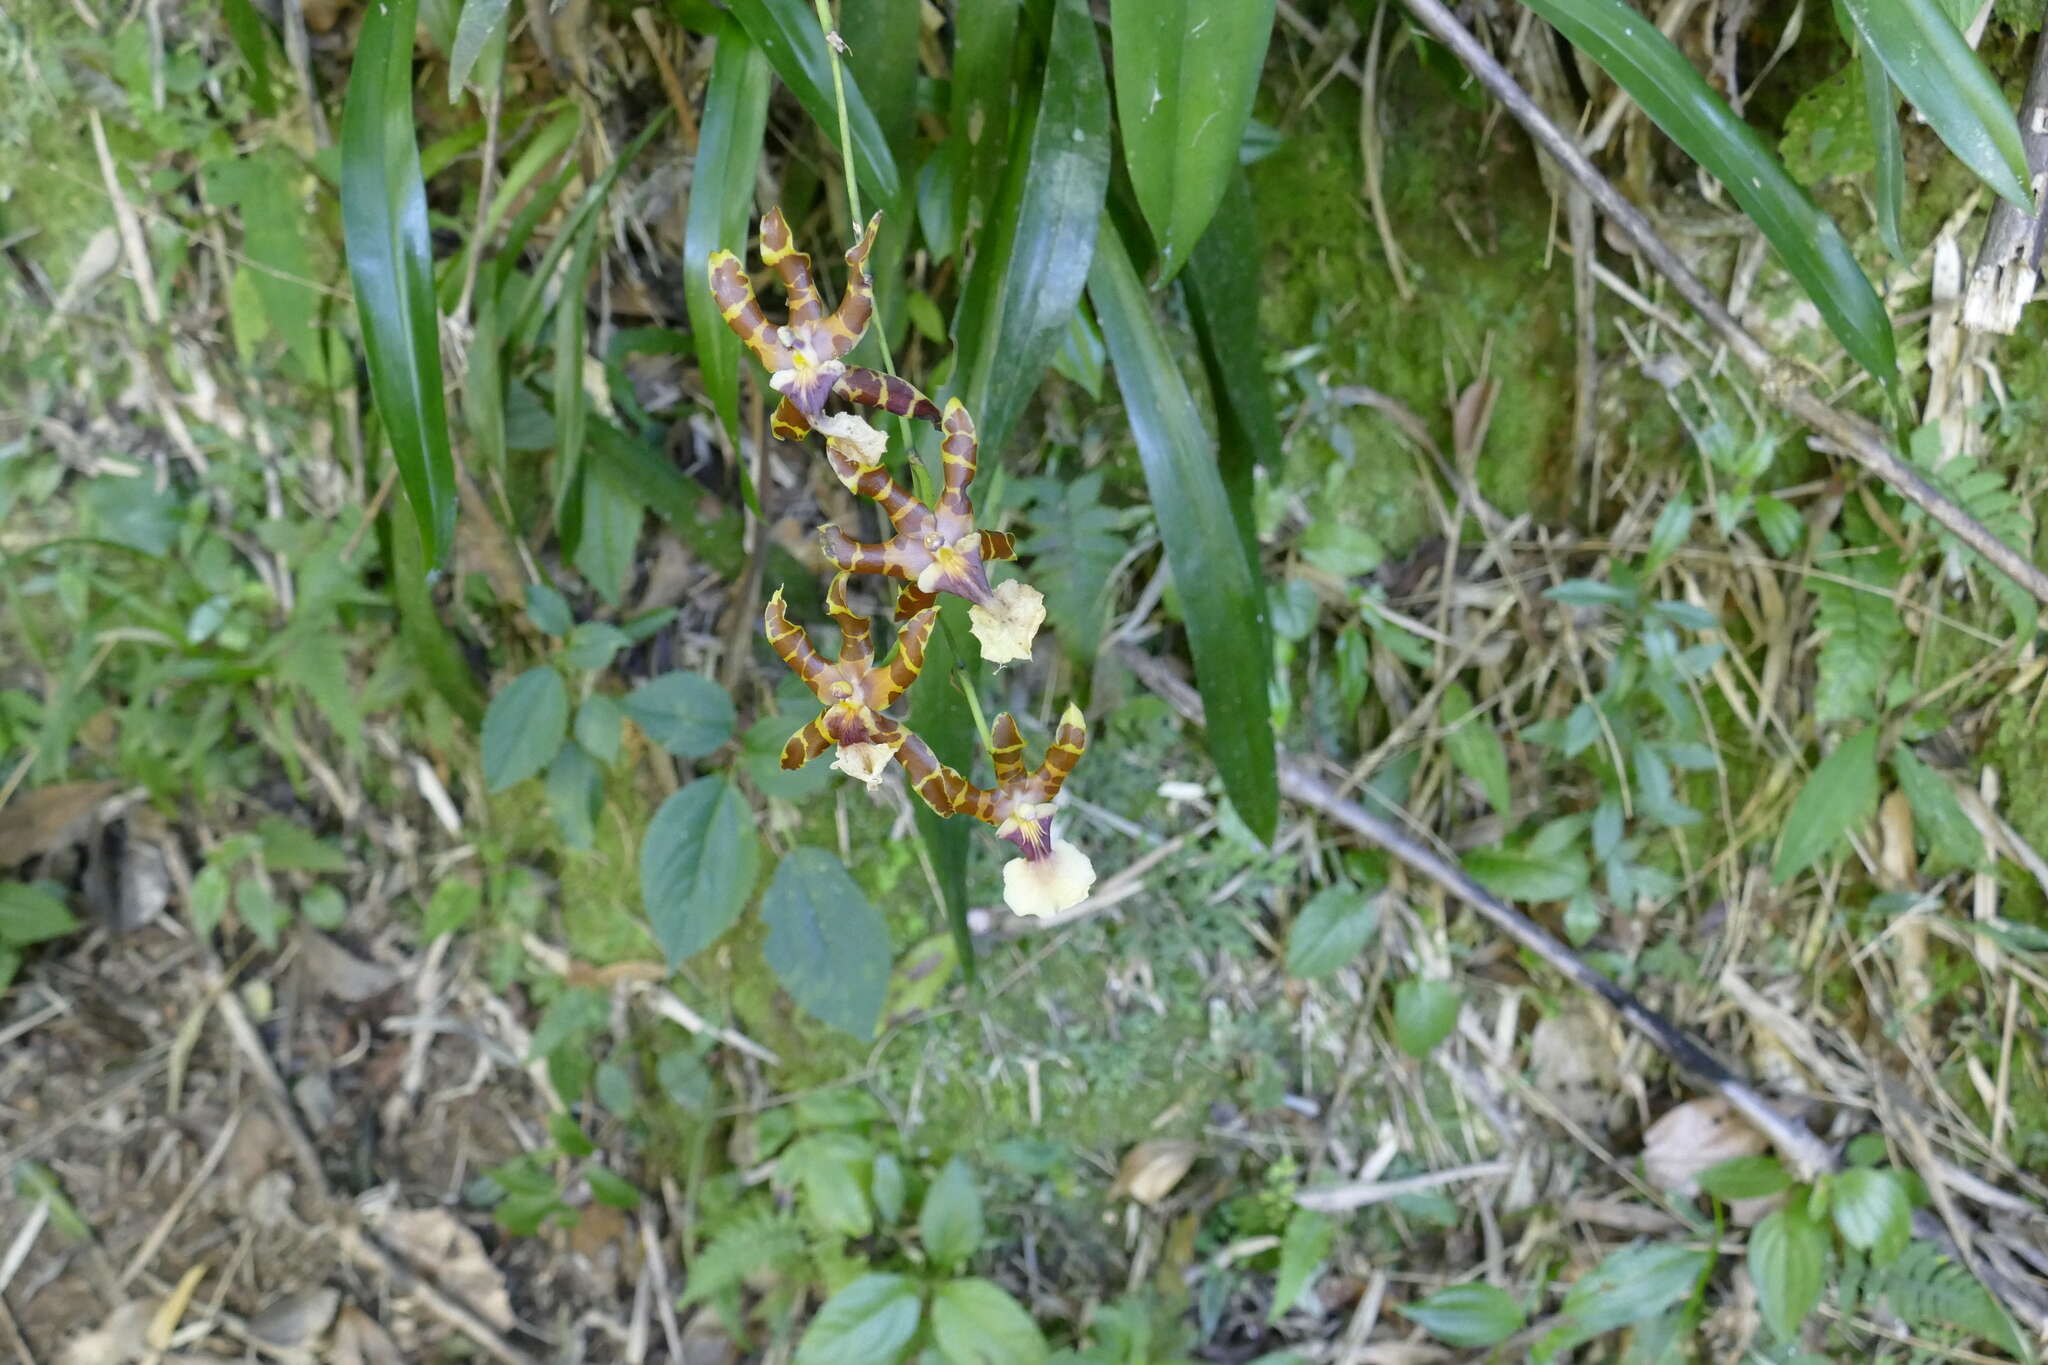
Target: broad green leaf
[
  {"x": 480, "y": 20},
  {"x": 1470, "y": 740},
  {"x": 261, "y": 913},
  {"x": 882, "y": 48},
  {"x": 698, "y": 862},
  {"x": 1186, "y": 72},
  {"x": 830, "y": 1169},
  {"x": 276, "y": 259},
  {"x": 867, "y": 1323},
  {"x": 575, "y": 794},
  {"x": 598, "y": 722},
  {"x": 1032, "y": 260},
  {"x": 593, "y": 645},
  {"x": 787, "y": 33},
  {"x": 1932, "y": 64},
  {"x": 1527, "y": 876},
  {"x": 1223, "y": 283},
  {"x": 975, "y": 1322},
  {"x": 984, "y": 60},
  {"x": 721, "y": 203},
  {"x": 1223, "y": 604},
  {"x": 525, "y": 724},
  {"x": 1331, "y": 930},
  {"x": 1303, "y": 1247},
  {"x": 1871, "y": 1212},
  {"x": 826, "y": 944},
  {"x": 1631, "y": 1285},
  {"x": 548, "y": 610},
  {"x": 1881, "y": 107},
  {"x": 390, "y": 263},
  {"x": 289, "y": 846},
  {"x": 571, "y": 403},
  {"x": 1425, "y": 1012},
  {"x": 685, "y": 713},
  {"x": 1677, "y": 98},
  {"x": 1745, "y": 1177},
  {"x": 609, "y": 1188},
  {"x": 208, "y": 902},
  {"x": 887, "y": 1187},
  {"x": 1937, "y": 813},
  {"x": 32, "y": 912},
  {"x": 950, "y": 1223},
  {"x": 1469, "y": 1315},
  {"x": 1839, "y": 796},
  {"x": 1788, "y": 1261},
  {"x": 938, "y": 713}
]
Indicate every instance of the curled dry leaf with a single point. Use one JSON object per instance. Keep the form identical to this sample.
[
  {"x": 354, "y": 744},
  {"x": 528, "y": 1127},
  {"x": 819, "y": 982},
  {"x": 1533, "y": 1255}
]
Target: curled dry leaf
[
  {"x": 1150, "y": 1170},
  {"x": 435, "y": 1243},
  {"x": 293, "y": 1322},
  {"x": 360, "y": 1340},
  {"x": 46, "y": 819},
  {"x": 1694, "y": 1136}
]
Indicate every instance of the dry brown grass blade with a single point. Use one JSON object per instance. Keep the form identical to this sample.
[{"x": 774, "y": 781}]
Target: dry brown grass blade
[{"x": 1851, "y": 435}]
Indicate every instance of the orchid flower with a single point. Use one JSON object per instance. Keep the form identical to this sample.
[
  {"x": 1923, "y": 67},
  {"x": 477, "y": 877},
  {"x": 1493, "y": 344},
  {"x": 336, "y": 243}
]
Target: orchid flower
[{"x": 855, "y": 690}]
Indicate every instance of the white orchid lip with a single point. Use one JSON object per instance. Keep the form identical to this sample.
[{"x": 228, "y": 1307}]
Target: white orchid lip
[
  {"x": 864, "y": 762},
  {"x": 1061, "y": 880},
  {"x": 1008, "y": 626}
]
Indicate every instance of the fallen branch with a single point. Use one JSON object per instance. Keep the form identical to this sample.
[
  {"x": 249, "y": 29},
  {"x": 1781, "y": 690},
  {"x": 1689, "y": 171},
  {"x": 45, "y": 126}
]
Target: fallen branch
[
  {"x": 1852, "y": 435},
  {"x": 1807, "y": 1154},
  {"x": 2009, "y": 260},
  {"x": 1299, "y": 781}
]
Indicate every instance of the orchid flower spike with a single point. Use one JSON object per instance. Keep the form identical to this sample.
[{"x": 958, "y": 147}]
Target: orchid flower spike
[
  {"x": 939, "y": 549},
  {"x": 855, "y": 690},
  {"x": 805, "y": 357}
]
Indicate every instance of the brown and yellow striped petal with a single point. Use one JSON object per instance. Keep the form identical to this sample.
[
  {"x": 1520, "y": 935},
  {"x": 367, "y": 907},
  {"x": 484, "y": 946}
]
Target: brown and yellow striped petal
[
  {"x": 873, "y": 389},
  {"x": 779, "y": 253},
  {"x": 1068, "y": 744},
  {"x": 788, "y": 422},
  {"x": 841, "y": 551},
  {"x": 998, "y": 545},
  {"x": 1008, "y": 753},
  {"x": 806, "y": 744},
  {"x": 792, "y": 645},
  {"x": 874, "y": 483},
  {"x": 961, "y": 452},
  {"x": 734, "y": 294},
  {"x": 855, "y": 646},
  {"x": 857, "y": 309},
  {"x": 912, "y": 600},
  {"x": 908, "y": 659}
]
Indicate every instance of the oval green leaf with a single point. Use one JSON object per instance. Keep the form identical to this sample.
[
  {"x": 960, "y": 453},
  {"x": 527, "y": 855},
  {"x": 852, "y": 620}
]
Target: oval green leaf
[
  {"x": 1839, "y": 795},
  {"x": 950, "y": 1223},
  {"x": 1871, "y": 1211},
  {"x": 1788, "y": 1260},
  {"x": 826, "y": 944},
  {"x": 1186, "y": 73},
  {"x": 867, "y": 1323},
  {"x": 975, "y": 1322},
  {"x": 787, "y": 33},
  {"x": 1425, "y": 1012},
  {"x": 1658, "y": 77},
  {"x": 1932, "y": 64},
  {"x": 698, "y": 861},
  {"x": 391, "y": 266},
  {"x": 1470, "y": 1315},
  {"x": 524, "y": 726},
  {"x": 1223, "y": 604},
  {"x": 685, "y": 713},
  {"x": 721, "y": 202},
  {"x": 1331, "y": 929},
  {"x": 1033, "y": 260}
]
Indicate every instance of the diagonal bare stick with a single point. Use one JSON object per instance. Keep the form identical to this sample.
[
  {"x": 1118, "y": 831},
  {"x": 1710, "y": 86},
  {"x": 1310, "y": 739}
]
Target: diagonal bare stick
[{"x": 1855, "y": 437}]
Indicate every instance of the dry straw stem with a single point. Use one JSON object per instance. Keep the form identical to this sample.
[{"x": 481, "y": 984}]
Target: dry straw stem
[
  {"x": 2009, "y": 261},
  {"x": 1853, "y": 436}
]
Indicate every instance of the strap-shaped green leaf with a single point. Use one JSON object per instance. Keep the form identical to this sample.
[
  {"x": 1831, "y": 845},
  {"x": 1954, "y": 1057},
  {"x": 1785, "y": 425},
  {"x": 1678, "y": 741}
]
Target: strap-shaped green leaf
[
  {"x": 1931, "y": 62},
  {"x": 1186, "y": 73},
  {"x": 1642, "y": 61},
  {"x": 384, "y": 227},
  {"x": 1224, "y": 605},
  {"x": 984, "y": 62},
  {"x": 787, "y": 32},
  {"x": 1032, "y": 263},
  {"x": 721, "y": 202}
]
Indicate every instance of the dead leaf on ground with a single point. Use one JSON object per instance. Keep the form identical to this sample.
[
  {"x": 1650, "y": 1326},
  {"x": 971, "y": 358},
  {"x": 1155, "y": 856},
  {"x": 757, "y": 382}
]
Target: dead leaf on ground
[
  {"x": 343, "y": 976},
  {"x": 42, "y": 821},
  {"x": 1694, "y": 1136},
  {"x": 124, "y": 1336},
  {"x": 295, "y": 1321},
  {"x": 360, "y": 1339},
  {"x": 1571, "y": 1060},
  {"x": 435, "y": 1243},
  {"x": 1150, "y": 1170}
]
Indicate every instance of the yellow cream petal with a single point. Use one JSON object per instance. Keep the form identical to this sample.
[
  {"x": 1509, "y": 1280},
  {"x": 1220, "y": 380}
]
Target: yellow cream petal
[
  {"x": 1006, "y": 630},
  {"x": 1059, "y": 881}
]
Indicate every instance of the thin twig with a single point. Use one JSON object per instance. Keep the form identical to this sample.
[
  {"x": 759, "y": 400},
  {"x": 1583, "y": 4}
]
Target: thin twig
[
  {"x": 374, "y": 1256},
  {"x": 1853, "y": 436}
]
